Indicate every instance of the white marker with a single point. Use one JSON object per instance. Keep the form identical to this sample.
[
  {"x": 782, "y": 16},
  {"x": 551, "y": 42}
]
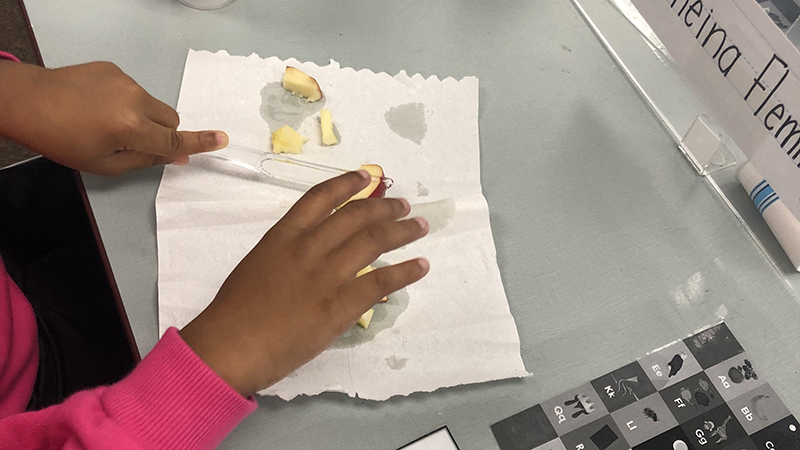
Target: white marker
[{"x": 781, "y": 221}]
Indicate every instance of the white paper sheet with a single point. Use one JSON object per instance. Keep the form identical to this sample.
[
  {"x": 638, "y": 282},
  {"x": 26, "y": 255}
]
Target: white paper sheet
[
  {"x": 438, "y": 440},
  {"x": 453, "y": 327}
]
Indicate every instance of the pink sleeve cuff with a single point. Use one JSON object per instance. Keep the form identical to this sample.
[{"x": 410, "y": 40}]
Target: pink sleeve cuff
[
  {"x": 172, "y": 399},
  {"x": 8, "y": 56}
]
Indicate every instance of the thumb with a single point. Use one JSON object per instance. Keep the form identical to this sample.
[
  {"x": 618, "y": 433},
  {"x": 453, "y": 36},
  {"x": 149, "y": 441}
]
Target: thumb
[{"x": 171, "y": 143}]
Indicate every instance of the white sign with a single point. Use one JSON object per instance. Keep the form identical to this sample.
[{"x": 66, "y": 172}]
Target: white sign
[
  {"x": 438, "y": 440},
  {"x": 746, "y": 72}
]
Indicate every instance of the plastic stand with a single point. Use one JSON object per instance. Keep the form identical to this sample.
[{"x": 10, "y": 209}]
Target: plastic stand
[
  {"x": 704, "y": 147},
  {"x": 653, "y": 74}
]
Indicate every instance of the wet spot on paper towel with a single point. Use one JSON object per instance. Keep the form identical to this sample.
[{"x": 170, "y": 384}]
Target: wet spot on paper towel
[
  {"x": 385, "y": 316},
  {"x": 396, "y": 363},
  {"x": 408, "y": 121},
  {"x": 280, "y": 107},
  {"x": 438, "y": 214},
  {"x": 422, "y": 191}
]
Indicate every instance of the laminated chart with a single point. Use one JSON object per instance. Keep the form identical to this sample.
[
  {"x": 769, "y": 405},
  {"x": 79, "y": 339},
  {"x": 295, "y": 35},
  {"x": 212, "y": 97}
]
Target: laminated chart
[{"x": 702, "y": 392}]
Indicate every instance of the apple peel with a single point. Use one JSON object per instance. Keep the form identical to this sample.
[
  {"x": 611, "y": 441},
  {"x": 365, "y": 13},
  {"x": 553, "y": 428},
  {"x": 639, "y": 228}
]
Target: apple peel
[{"x": 377, "y": 187}]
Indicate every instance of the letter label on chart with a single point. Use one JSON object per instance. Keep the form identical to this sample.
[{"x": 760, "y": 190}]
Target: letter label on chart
[
  {"x": 701, "y": 437},
  {"x": 610, "y": 392},
  {"x": 560, "y": 414},
  {"x": 657, "y": 370}
]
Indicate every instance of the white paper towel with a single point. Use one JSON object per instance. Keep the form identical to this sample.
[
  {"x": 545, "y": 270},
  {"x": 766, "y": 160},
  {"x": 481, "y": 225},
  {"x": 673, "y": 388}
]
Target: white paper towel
[{"x": 453, "y": 327}]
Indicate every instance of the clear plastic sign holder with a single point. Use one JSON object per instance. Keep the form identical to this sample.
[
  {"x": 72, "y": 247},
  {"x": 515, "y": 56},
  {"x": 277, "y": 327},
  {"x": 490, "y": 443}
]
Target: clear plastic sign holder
[
  {"x": 704, "y": 147},
  {"x": 652, "y": 73}
]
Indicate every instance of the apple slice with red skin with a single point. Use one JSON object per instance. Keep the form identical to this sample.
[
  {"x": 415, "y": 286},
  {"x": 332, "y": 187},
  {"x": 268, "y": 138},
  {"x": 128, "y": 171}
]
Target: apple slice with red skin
[{"x": 376, "y": 188}]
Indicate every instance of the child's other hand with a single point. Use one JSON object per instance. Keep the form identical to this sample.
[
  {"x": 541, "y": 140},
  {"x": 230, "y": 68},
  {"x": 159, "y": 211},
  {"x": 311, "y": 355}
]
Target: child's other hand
[
  {"x": 94, "y": 118},
  {"x": 297, "y": 291}
]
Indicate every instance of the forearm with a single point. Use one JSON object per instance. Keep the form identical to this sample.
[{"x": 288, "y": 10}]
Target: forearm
[
  {"x": 94, "y": 118},
  {"x": 17, "y": 97}
]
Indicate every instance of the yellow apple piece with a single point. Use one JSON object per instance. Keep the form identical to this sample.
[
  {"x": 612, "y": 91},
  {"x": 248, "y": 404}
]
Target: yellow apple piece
[
  {"x": 376, "y": 188},
  {"x": 366, "y": 318},
  {"x": 326, "y": 123},
  {"x": 298, "y": 83},
  {"x": 286, "y": 140},
  {"x": 365, "y": 271}
]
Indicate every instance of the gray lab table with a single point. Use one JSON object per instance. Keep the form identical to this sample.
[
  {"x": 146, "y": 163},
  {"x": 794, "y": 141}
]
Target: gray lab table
[{"x": 609, "y": 243}]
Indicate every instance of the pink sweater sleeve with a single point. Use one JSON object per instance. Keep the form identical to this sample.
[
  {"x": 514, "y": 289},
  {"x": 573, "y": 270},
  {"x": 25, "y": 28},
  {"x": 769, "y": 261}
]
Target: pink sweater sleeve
[
  {"x": 170, "y": 400},
  {"x": 19, "y": 350},
  {"x": 8, "y": 56}
]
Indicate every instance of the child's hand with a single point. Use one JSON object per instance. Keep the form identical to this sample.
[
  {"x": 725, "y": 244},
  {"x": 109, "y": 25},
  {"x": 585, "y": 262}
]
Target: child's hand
[
  {"x": 297, "y": 291},
  {"x": 94, "y": 118}
]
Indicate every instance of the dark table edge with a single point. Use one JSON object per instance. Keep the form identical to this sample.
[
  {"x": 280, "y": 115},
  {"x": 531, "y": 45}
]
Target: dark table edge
[
  {"x": 90, "y": 213},
  {"x": 112, "y": 282},
  {"x": 36, "y": 50}
]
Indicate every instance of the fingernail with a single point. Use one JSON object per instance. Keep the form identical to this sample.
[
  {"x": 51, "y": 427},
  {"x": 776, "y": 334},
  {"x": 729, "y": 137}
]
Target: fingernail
[
  {"x": 406, "y": 205},
  {"x": 423, "y": 224},
  {"x": 180, "y": 161},
  {"x": 424, "y": 265},
  {"x": 364, "y": 174},
  {"x": 220, "y": 139}
]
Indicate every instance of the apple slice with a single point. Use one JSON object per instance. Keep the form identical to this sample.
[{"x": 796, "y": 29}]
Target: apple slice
[
  {"x": 326, "y": 123},
  {"x": 298, "y": 83},
  {"x": 365, "y": 319},
  {"x": 286, "y": 140},
  {"x": 376, "y": 188},
  {"x": 365, "y": 271}
]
